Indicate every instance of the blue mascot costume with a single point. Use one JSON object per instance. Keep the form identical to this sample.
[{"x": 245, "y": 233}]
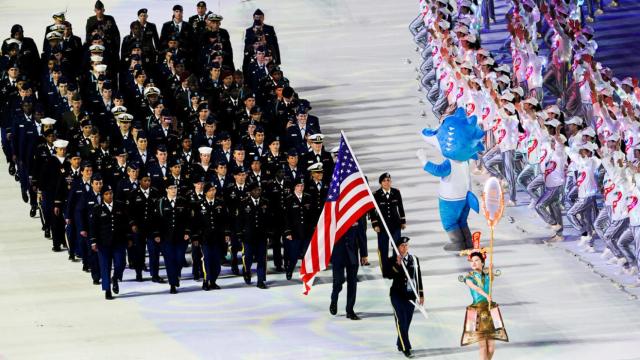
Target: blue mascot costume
[{"x": 459, "y": 139}]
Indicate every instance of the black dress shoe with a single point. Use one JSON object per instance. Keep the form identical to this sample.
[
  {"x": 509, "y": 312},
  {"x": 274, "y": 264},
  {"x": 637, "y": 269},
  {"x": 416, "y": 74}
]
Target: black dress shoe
[
  {"x": 85, "y": 268},
  {"x": 25, "y": 197},
  {"x": 262, "y": 285},
  {"x": 279, "y": 269},
  {"x": 12, "y": 169},
  {"x": 289, "y": 275},
  {"x": 333, "y": 308},
  {"x": 72, "y": 257},
  {"x": 205, "y": 286},
  {"x": 178, "y": 283},
  {"x": 96, "y": 282},
  {"x": 47, "y": 234},
  {"x": 107, "y": 295},
  {"x": 235, "y": 270},
  {"x": 116, "y": 288},
  {"x": 353, "y": 316},
  {"x": 173, "y": 290},
  {"x": 215, "y": 286},
  {"x": 32, "y": 212},
  {"x": 408, "y": 354},
  {"x": 196, "y": 278},
  {"x": 56, "y": 249},
  {"x": 16, "y": 177},
  {"x": 139, "y": 277},
  {"x": 158, "y": 280},
  {"x": 247, "y": 278}
]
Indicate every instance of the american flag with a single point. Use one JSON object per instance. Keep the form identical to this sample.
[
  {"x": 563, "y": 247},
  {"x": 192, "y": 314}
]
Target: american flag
[{"x": 347, "y": 201}]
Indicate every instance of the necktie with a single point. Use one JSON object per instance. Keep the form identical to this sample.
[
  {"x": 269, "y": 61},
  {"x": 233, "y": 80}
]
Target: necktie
[
  {"x": 134, "y": 185},
  {"x": 255, "y": 201},
  {"x": 87, "y": 187},
  {"x": 164, "y": 170},
  {"x": 98, "y": 199},
  {"x": 387, "y": 195},
  {"x": 210, "y": 203},
  {"x": 144, "y": 157},
  {"x": 260, "y": 150},
  {"x": 122, "y": 169},
  {"x": 146, "y": 193},
  {"x": 210, "y": 141},
  {"x": 221, "y": 182},
  {"x": 293, "y": 172},
  {"x": 173, "y": 203},
  {"x": 109, "y": 207},
  {"x": 319, "y": 186}
]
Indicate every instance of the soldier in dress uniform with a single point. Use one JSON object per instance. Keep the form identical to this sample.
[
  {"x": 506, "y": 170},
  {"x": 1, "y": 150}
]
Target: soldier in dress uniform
[
  {"x": 317, "y": 188},
  {"x": 109, "y": 239},
  {"x": 105, "y": 26},
  {"x": 348, "y": 254},
  {"x": 213, "y": 234},
  {"x": 82, "y": 218},
  {"x": 150, "y": 40},
  {"x": 298, "y": 229},
  {"x": 234, "y": 193},
  {"x": 197, "y": 21},
  {"x": 401, "y": 291},
  {"x": 318, "y": 155},
  {"x": 277, "y": 190},
  {"x": 173, "y": 229},
  {"x": 254, "y": 226},
  {"x": 79, "y": 187},
  {"x": 196, "y": 196},
  {"x": 390, "y": 204},
  {"x": 140, "y": 206}
]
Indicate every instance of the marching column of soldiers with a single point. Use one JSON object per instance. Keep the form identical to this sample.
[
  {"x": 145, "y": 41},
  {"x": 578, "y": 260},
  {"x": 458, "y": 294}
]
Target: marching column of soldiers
[{"x": 157, "y": 145}]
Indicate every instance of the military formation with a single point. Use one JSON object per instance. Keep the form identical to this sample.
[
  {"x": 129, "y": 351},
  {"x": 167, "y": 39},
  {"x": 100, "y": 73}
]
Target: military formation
[{"x": 156, "y": 149}]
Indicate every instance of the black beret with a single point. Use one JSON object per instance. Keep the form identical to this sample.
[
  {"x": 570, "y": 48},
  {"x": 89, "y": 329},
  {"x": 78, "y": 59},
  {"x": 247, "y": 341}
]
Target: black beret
[
  {"x": 383, "y": 177},
  {"x": 106, "y": 188}
]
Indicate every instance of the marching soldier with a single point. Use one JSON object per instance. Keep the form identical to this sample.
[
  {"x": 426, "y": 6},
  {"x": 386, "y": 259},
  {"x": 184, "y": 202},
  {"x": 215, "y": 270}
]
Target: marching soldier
[
  {"x": 83, "y": 212},
  {"x": 277, "y": 191},
  {"x": 196, "y": 196},
  {"x": 140, "y": 207},
  {"x": 348, "y": 254},
  {"x": 172, "y": 229},
  {"x": 401, "y": 291},
  {"x": 318, "y": 155},
  {"x": 254, "y": 227},
  {"x": 390, "y": 203},
  {"x": 234, "y": 193},
  {"x": 317, "y": 188},
  {"x": 109, "y": 240},
  {"x": 299, "y": 223},
  {"x": 213, "y": 234}
]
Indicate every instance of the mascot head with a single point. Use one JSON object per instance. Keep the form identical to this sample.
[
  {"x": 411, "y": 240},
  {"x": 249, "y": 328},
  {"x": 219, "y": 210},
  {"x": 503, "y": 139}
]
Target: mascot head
[{"x": 458, "y": 137}]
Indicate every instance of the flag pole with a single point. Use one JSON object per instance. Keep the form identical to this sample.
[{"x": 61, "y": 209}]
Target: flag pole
[{"x": 384, "y": 224}]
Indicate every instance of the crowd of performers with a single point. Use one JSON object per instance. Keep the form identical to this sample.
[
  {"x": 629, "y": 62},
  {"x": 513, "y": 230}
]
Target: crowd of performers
[{"x": 578, "y": 155}]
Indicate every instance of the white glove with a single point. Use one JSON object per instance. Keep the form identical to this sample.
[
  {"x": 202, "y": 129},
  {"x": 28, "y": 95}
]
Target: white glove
[{"x": 422, "y": 156}]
